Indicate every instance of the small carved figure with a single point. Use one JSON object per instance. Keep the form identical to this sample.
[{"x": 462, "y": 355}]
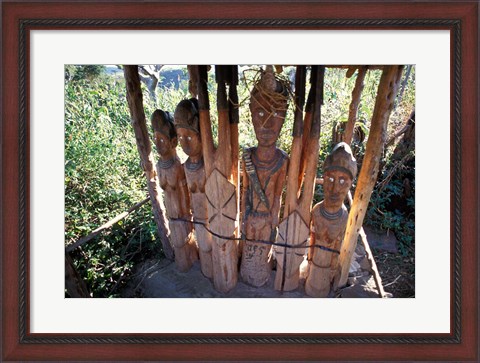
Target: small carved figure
[
  {"x": 329, "y": 220},
  {"x": 264, "y": 174},
  {"x": 172, "y": 181},
  {"x": 186, "y": 120}
]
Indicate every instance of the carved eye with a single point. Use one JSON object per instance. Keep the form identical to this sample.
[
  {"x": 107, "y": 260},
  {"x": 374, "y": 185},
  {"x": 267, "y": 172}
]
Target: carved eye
[
  {"x": 189, "y": 138},
  {"x": 341, "y": 181},
  {"x": 161, "y": 140},
  {"x": 261, "y": 113},
  {"x": 330, "y": 179}
]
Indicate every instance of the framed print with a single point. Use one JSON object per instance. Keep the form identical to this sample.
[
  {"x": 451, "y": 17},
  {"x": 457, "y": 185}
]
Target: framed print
[{"x": 39, "y": 39}]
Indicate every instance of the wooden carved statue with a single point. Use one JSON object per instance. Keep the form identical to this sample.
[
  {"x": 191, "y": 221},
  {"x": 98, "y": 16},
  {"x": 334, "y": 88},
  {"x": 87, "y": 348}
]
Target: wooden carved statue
[
  {"x": 329, "y": 220},
  {"x": 172, "y": 181},
  {"x": 264, "y": 174},
  {"x": 220, "y": 188},
  {"x": 186, "y": 120}
]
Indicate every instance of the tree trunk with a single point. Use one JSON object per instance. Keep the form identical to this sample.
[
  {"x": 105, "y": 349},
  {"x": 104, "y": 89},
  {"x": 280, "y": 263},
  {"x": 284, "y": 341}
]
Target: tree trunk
[
  {"x": 387, "y": 91},
  {"x": 137, "y": 113},
  {"x": 353, "y": 110}
]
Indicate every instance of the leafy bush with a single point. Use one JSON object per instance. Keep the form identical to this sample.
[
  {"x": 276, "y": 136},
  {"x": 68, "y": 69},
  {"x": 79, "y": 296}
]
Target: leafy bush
[
  {"x": 79, "y": 72},
  {"x": 102, "y": 179}
]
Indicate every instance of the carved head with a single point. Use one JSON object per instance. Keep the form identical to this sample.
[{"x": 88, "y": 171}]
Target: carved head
[
  {"x": 340, "y": 168},
  {"x": 268, "y": 106},
  {"x": 165, "y": 135},
  {"x": 186, "y": 120}
]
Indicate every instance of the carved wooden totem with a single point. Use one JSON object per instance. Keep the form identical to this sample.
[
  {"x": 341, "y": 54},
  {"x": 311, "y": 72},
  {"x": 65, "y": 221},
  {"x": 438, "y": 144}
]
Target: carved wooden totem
[
  {"x": 220, "y": 189},
  {"x": 294, "y": 230},
  {"x": 172, "y": 181},
  {"x": 329, "y": 220},
  {"x": 264, "y": 173},
  {"x": 186, "y": 120}
]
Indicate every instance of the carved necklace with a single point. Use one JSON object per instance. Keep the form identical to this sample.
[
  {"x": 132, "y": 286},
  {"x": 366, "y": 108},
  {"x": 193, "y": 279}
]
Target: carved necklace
[
  {"x": 330, "y": 216},
  {"x": 265, "y": 164},
  {"x": 165, "y": 164},
  {"x": 193, "y": 166}
]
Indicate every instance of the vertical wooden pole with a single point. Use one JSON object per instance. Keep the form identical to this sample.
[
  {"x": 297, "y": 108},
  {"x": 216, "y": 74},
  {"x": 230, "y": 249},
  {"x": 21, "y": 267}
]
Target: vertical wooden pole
[
  {"x": 220, "y": 192},
  {"x": 234, "y": 121},
  {"x": 137, "y": 113},
  {"x": 387, "y": 91},
  {"x": 204, "y": 111},
  {"x": 294, "y": 228},
  {"x": 291, "y": 198},
  {"x": 307, "y": 124},
  {"x": 353, "y": 110},
  {"x": 313, "y": 146}
]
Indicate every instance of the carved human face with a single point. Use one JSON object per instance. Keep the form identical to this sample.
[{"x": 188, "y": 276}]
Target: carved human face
[
  {"x": 165, "y": 145},
  {"x": 336, "y": 185},
  {"x": 190, "y": 141},
  {"x": 267, "y": 122}
]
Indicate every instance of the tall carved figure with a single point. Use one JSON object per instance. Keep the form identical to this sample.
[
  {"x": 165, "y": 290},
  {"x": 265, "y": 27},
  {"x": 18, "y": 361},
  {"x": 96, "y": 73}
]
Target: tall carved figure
[
  {"x": 172, "y": 180},
  {"x": 186, "y": 120},
  {"x": 220, "y": 188},
  {"x": 264, "y": 173},
  {"x": 329, "y": 220}
]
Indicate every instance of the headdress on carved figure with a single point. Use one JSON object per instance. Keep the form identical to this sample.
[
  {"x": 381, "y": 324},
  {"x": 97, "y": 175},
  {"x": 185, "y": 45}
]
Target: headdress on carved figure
[
  {"x": 186, "y": 115},
  {"x": 341, "y": 158},
  {"x": 162, "y": 121}
]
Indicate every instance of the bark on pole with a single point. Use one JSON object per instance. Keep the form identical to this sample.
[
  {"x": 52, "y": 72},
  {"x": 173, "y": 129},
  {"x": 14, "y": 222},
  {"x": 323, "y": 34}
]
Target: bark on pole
[
  {"x": 387, "y": 91},
  {"x": 137, "y": 113},
  {"x": 353, "y": 110}
]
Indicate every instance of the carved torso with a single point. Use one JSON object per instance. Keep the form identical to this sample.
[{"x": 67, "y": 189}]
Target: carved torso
[
  {"x": 328, "y": 233},
  {"x": 260, "y": 217},
  {"x": 196, "y": 185},
  {"x": 269, "y": 176},
  {"x": 172, "y": 181}
]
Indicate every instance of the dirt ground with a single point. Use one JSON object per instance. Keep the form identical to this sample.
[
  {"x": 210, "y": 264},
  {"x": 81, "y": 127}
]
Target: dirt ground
[
  {"x": 397, "y": 272},
  {"x": 160, "y": 279}
]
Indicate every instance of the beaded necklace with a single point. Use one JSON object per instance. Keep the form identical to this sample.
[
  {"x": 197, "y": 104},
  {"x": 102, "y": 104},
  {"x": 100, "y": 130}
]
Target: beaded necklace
[
  {"x": 330, "y": 216},
  {"x": 165, "y": 164},
  {"x": 193, "y": 166}
]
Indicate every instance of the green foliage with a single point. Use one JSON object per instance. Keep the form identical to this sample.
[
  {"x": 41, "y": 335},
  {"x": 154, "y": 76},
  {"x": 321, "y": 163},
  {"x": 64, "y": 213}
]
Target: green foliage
[
  {"x": 390, "y": 210},
  {"x": 103, "y": 178},
  {"x": 79, "y": 72}
]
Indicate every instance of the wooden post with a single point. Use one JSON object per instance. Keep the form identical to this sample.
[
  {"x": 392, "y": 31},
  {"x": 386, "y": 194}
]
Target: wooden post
[
  {"x": 307, "y": 124},
  {"x": 387, "y": 91},
  {"x": 294, "y": 229},
  {"x": 137, "y": 113},
  {"x": 234, "y": 117},
  {"x": 220, "y": 192},
  {"x": 353, "y": 110}
]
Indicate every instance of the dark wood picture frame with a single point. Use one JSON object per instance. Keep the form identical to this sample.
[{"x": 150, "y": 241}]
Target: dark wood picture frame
[{"x": 460, "y": 18}]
